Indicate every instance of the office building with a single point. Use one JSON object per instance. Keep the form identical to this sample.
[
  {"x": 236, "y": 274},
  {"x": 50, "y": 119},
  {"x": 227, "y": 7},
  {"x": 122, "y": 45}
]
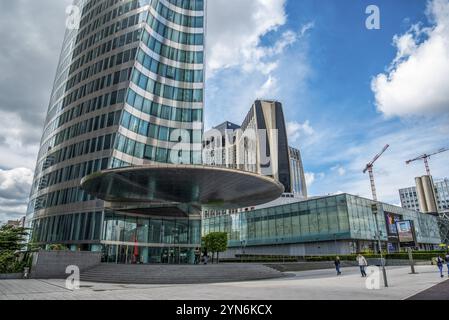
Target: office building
[
  {"x": 259, "y": 145},
  {"x": 410, "y": 198},
  {"x": 340, "y": 224},
  {"x": 299, "y": 186},
  {"x": 17, "y": 223},
  {"x": 128, "y": 91}
]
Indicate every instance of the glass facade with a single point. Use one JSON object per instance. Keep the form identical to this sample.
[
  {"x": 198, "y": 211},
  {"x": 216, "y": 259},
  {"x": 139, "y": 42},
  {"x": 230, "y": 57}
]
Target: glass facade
[
  {"x": 341, "y": 217},
  {"x": 128, "y": 90},
  {"x": 152, "y": 240},
  {"x": 299, "y": 186},
  {"x": 164, "y": 102},
  {"x": 79, "y": 227}
]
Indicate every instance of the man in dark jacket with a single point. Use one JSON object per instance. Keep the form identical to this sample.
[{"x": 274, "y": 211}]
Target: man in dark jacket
[
  {"x": 337, "y": 263},
  {"x": 440, "y": 261}
]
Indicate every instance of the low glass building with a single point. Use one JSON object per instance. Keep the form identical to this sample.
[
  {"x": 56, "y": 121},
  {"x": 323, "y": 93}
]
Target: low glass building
[{"x": 339, "y": 224}]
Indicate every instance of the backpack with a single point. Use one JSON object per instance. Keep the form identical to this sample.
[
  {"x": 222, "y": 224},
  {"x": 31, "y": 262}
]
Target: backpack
[{"x": 439, "y": 262}]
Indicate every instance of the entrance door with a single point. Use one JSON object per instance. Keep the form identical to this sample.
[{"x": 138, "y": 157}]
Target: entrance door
[
  {"x": 165, "y": 256},
  {"x": 125, "y": 254},
  {"x": 176, "y": 253}
]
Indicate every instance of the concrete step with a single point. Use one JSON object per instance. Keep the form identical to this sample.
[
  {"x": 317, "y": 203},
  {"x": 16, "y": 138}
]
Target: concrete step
[{"x": 178, "y": 274}]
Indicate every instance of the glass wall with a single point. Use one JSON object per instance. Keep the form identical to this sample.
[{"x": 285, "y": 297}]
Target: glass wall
[
  {"x": 362, "y": 223},
  {"x": 124, "y": 239},
  {"x": 84, "y": 226},
  {"x": 138, "y": 239},
  {"x": 341, "y": 217},
  {"x": 426, "y": 228},
  {"x": 315, "y": 220},
  {"x": 123, "y": 228},
  {"x": 134, "y": 254}
]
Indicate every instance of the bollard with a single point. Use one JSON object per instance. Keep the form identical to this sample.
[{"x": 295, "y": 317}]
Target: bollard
[
  {"x": 412, "y": 263},
  {"x": 26, "y": 273}
]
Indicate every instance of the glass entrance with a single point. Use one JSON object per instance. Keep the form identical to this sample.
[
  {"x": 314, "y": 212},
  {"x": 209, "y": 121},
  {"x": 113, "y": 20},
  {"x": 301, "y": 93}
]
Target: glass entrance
[{"x": 130, "y": 254}]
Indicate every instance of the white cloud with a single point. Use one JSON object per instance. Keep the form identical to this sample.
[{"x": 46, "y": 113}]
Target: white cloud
[
  {"x": 28, "y": 66},
  {"x": 18, "y": 146},
  {"x": 296, "y": 130},
  {"x": 417, "y": 81},
  {"x": 339, "y": 170},
  {"x": 235, "y": 28},
  {"x": 391, "y": 173},
  {"x": 15, "y": 183},
  {"x": 270, "y": 87},
  {"x": 310, "y": 178},
  {"x": 246, "y": 48},
  {"x": 15, "y": 187}
]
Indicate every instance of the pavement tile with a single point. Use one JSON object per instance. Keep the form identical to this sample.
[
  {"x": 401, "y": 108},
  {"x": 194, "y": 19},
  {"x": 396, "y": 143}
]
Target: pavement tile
[{"x": 317, "y": 284}]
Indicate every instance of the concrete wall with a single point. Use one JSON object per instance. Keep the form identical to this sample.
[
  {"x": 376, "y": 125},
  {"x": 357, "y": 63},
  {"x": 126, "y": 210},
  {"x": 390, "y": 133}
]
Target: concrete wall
[
  {"x": 9, "y": 276},
  {"x": 321, "y": 265},
  {"x": 297, "y": 249},
  {"x": 53, "y": 264}
]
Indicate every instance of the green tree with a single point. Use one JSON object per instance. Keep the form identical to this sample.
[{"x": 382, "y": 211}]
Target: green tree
[
  {"x": 11, "y": 240},
  {"x": 216, "y": 242}
]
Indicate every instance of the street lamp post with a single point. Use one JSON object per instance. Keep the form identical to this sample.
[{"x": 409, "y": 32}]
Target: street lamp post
[
  {"x": 283, "y": 252},
  {"x": 119, "y": 231},
  {"x": 335, "y": 243},
  {"x": 243, "y": 244},
  {"x": 374, "y": 209}
]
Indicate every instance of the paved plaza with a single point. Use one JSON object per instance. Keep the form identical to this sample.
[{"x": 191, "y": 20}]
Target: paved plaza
[{"x": 306, "y": 285}]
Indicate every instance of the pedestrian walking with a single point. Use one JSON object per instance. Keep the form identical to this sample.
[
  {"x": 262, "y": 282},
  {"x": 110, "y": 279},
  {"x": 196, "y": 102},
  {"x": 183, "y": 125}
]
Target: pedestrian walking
[
  {"x": 440, "y": 265},
  {"x": 447, "y": 263},
  {"x": 337, "y": 263},
  {"x": 362, "y": 264}
]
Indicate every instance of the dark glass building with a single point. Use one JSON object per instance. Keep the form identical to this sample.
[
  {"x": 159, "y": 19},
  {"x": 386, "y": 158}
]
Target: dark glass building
[
  {"x": 259, "y": 145},
  {"x": 128, "y": 91}
]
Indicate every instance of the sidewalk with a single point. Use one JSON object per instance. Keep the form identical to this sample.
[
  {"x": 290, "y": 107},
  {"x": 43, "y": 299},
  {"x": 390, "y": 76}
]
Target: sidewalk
[
  {"x": 438, "y": 292},
  {"x": 307, "y": 285}
]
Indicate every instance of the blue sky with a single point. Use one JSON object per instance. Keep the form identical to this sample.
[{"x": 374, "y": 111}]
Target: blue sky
[
  {"x": 345, "y": 55},
  {"x": 324, "y": 80}
]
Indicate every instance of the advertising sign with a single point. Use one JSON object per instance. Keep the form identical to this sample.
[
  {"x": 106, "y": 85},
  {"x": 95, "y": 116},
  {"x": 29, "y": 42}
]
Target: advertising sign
[
  {"x": 406, "y": 233},
  {"x": 391, "y": 220}
]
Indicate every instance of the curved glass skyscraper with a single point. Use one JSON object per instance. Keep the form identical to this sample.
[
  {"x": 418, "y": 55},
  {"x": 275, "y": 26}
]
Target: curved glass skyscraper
[{"x": 128, "y": 91}]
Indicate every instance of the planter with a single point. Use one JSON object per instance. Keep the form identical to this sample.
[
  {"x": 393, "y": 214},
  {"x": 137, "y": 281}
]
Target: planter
[{"x": 10, "y": 276}]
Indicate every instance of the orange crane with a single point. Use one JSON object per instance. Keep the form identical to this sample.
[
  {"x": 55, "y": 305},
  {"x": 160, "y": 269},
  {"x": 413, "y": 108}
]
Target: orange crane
[
  {"x": 426, "y": 158},
  {"x": 369, "y": 168}
]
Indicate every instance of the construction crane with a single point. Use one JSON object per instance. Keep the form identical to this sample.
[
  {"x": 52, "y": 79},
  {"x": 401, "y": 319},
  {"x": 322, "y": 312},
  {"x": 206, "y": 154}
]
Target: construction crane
[
  {"x": 375, "y": 210},
  {"x": 369, "y": 168},
  {"x": 426, "y": 158}
]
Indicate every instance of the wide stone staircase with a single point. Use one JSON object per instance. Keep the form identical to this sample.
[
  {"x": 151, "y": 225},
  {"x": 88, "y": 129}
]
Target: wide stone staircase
[{"x": 178, "y": 274}]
